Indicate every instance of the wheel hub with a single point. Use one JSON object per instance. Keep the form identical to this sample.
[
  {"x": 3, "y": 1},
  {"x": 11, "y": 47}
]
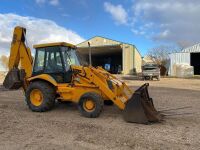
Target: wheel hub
[
  {"x": 89, "y": 105},
  {"x": 36, "y": 97}
]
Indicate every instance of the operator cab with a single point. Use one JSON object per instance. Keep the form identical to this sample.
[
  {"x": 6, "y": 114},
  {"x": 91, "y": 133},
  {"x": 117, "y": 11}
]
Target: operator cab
[{"x": 55, "y": 59}]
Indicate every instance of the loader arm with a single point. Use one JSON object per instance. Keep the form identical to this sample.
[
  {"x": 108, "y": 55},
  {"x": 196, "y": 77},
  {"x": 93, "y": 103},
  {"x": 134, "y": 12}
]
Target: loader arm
[
  {"x": 137, "y": 106},
  {"x": 20, "y": 60}
]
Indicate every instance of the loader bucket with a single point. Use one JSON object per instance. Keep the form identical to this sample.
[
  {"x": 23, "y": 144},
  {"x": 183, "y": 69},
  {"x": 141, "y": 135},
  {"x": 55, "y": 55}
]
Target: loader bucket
[{"x": 140, "y": 108}]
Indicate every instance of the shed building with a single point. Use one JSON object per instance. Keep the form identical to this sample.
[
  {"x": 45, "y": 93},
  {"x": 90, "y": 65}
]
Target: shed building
[
  {"x": 189, "y": 56},
  {"x": 114, "y": 56}
]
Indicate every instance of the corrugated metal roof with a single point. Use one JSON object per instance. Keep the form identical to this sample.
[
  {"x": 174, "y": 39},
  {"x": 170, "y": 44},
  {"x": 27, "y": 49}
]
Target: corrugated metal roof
[
  {"x": 192, "y": 49},
  {"x": 107, "y": 39}
]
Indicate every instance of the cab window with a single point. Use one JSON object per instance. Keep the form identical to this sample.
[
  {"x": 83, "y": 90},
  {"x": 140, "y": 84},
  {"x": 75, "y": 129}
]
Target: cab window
[
  {"x": 70, "y": 57},
  {"x": 39, "y": 61},
  {"x": 53, "y": 61}
]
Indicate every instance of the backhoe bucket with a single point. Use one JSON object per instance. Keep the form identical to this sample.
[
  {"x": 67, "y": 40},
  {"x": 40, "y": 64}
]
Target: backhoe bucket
[
  {"x": 140, "y": 108},
  {"x": 14, "y": 79}
]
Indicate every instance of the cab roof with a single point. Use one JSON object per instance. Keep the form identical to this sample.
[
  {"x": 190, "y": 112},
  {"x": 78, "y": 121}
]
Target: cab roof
[{"x": 54, "y": 44}]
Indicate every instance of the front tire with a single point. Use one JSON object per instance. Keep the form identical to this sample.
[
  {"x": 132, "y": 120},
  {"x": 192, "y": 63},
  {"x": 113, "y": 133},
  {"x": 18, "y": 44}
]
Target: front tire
[
  {"x": 90, "y": 105},
  {"x": 40, "y": 96}
]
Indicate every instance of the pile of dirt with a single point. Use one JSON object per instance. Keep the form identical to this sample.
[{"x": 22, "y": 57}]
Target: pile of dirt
[{"x": 2, "y": 76}]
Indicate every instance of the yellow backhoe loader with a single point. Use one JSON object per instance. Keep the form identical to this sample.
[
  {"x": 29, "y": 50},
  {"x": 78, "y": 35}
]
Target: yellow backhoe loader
[{"x": 56, "y": 74}]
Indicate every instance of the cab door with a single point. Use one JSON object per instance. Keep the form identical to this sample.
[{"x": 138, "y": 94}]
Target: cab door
[
  {"x": 54, "y": 64},
  {"x": 49, "y": 60}
]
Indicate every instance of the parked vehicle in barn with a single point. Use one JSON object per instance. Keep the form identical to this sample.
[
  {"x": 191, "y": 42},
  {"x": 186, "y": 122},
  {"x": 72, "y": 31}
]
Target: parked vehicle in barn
[{"x": 150, "y": 71}]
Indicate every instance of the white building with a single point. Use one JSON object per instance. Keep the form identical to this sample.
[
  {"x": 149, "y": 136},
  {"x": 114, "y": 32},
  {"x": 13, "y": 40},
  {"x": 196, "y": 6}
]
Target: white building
[{"x": 189, "y": 56}]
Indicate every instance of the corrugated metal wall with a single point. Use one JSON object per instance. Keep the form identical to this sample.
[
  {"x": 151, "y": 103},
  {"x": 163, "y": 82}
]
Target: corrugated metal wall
[
  {"x": 128, "y": 59},
  {"x": 137, "y": 60},
  {"x": 178, "y": 58},
  {"x": 182, "y": 58}
]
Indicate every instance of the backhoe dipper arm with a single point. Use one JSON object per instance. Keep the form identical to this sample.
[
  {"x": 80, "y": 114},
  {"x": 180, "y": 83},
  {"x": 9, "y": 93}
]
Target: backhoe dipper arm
[
  {"x": 19, "y": 53},
  {"x": 20, "y": 61}
]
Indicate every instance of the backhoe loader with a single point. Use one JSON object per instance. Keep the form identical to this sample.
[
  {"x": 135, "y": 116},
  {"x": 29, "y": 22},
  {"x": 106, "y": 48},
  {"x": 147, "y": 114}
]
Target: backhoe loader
[{"x": 57, "y": 74}]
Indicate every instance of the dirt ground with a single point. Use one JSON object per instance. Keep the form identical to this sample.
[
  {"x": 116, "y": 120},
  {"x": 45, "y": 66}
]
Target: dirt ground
[{"x": 65, "y": 128}]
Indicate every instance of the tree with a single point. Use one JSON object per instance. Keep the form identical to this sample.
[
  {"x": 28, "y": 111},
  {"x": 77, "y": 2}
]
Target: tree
[
  {"x": 4, "y": 61},
  {"x": 160, "y": 54}
]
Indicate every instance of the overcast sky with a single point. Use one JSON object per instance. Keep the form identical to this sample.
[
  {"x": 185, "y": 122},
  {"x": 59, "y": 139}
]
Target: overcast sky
[{"x": 144, "y": 23}]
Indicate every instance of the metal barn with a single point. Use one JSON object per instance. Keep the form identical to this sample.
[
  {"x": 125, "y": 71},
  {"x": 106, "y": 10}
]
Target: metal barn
[
  {"x": 116, "y": 57},
  {"x": 189, "y": 56}
]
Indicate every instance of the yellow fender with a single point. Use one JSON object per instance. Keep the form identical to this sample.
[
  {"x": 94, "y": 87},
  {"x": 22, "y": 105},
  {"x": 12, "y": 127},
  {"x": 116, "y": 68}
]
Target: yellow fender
[{"x": 44, "y": 77}]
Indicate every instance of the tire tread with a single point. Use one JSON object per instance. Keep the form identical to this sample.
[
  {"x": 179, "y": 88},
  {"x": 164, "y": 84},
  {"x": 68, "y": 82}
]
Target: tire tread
[{"x": 48, "y": 93}]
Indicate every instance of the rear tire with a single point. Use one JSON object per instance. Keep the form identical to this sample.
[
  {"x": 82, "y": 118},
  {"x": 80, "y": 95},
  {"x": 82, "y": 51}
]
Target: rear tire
[
  {"x": 46, "y": 96},
  {"x": 95, "y": 100}
]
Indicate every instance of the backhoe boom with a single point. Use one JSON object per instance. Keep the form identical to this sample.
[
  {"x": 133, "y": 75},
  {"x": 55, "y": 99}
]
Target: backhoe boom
[
  {"x": 19, "y": 52},
  {"x": 20, "y": 61}
]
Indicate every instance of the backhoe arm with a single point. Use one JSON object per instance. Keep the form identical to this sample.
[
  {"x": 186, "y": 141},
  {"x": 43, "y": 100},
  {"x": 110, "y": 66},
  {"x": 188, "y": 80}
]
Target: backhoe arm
[
  {"x": 19, "y": 53},
  {"x": 20, "y": 61}
]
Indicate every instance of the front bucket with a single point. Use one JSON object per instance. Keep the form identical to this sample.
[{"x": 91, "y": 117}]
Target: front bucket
[{"x": 140, "y": 108}]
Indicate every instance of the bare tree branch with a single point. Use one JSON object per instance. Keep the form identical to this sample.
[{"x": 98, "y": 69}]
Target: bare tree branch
[{"x": 160, "y": 54}]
